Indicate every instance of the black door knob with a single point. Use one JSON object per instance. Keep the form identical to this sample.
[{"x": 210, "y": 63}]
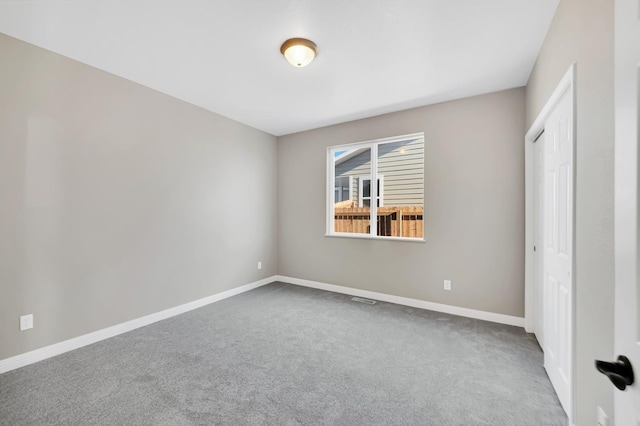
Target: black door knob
[{"x": 620, "y": 372}]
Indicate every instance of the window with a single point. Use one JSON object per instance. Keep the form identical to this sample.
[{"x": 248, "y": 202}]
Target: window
[
  {"x": 365, "y": 191},
  {"x": 342, "y": 189},
  {"x": 398, "y": 167}
]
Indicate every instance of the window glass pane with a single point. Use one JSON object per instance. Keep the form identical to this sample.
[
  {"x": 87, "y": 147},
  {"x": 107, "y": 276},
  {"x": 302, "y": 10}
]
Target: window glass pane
[
  {"x": 367, "y": 203},
  {"x": 401, "y": 188},
  {"x": 341, "y": 189},
  {"x": 352, "y": 169}
]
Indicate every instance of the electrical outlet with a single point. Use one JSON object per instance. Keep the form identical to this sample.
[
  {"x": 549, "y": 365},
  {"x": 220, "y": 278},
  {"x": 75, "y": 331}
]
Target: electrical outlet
[
  {"x": 447, "y": 284},
  {"x": 259, "y": 265},
  {"x": 603, "y": 419},
  {"x": 26, "y": 322}
]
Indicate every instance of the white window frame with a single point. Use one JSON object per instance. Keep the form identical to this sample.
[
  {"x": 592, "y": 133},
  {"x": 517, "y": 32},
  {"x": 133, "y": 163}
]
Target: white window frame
[
  {"x": 373, "y": 146},
  {"x": 361, "y": 198}
]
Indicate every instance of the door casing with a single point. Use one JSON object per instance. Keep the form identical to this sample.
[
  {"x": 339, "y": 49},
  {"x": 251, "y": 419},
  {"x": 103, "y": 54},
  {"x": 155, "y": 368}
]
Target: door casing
[{"x": 626, "y": 331}]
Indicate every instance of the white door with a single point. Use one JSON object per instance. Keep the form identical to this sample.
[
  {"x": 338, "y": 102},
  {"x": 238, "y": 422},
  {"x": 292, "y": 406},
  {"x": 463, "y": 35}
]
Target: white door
[
  {"x": 557, "y": 238},
  {"x": 538, "y": 251},
  {"x": 627, "y": 309}
]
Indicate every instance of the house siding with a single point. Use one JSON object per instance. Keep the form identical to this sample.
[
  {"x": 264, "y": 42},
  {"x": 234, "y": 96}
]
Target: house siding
[{"x": 402, "y": 172}]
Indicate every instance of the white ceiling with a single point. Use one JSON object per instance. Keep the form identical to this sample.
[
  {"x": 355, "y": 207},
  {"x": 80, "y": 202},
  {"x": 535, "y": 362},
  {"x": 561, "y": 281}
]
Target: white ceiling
[{"x": 374, "y": 56}]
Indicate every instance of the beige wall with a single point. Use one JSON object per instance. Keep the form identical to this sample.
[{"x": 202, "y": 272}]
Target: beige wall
[
  {"x": 474, "y": 207},
  {"x": 582, "y": 32},
  {"x": 117, "y": 201}
]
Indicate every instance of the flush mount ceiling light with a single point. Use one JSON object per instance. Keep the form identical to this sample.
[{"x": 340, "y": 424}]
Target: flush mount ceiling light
[{"x": 299, "y": 51}]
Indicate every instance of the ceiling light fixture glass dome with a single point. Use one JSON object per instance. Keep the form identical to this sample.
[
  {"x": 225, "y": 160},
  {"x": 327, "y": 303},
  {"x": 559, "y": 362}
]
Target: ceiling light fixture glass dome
[{"x": 299, "y": 51}]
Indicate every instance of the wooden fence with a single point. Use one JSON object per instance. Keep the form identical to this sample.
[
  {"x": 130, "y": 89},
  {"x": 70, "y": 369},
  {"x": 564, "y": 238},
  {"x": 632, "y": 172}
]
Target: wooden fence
[{"x": 399, "y": 221}]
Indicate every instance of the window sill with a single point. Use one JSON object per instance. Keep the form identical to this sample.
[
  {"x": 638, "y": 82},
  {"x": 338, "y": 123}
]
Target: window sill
[{"x": 371, "y": 237}]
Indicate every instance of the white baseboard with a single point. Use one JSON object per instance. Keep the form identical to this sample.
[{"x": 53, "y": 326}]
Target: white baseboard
[
  {"x": 27, "y": 358},
  {"x": 422, "y": 304},
  {"x": 31, "y": 357}
]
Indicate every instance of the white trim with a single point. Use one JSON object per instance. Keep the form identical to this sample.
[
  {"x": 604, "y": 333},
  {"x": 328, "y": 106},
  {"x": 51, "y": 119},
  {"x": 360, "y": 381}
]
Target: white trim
[
  {"x": 354, "y": 145},
  {"x": 50, "y": 351},
  {"x": 31, "y": 357},
  {"x": 375, "y": 237},
  {"x": 567, "y": 83},
  {"x": 406, "y": 301},
  {"x": 373, "y": 192},
  {"x": 331, "y": 183}
]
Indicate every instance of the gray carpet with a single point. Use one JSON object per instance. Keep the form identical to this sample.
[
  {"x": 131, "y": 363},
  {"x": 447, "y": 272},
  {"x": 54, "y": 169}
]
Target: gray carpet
[{"x": 288, "y": 355}]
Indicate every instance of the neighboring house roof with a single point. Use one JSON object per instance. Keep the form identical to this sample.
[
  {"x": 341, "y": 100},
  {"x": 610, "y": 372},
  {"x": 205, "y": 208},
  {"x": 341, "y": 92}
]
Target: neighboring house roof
[{"x": 345, "y": 155}]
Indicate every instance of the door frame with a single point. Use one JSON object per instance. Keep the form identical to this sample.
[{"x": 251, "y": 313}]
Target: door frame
[
  {"x": 566, "y": 84},
  {"x": 626, "y": 197}
]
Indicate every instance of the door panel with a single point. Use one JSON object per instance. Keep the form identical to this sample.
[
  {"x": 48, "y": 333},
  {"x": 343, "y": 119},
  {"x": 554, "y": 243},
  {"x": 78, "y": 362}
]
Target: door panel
[
  {"x": 563, "y": 211},
  {"x": 563, "y": 328},
  {"x": 550, "y": 210}
]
